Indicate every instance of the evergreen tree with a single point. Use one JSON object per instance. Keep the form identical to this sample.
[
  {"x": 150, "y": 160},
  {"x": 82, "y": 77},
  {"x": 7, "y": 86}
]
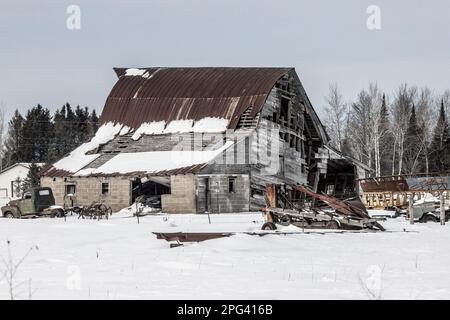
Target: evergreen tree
[
  {"x": 58, "y": 147},
  {"x": 82, "y": 125},
  {"x": 37, "y": 135},
  {"x": 14, "y": 140},
  {"x": 71, "y": 131},
  {"x": 33, "y": 179},
  {"x": 93, "y": 124},
  {"x": 386, "y": 138},
  {"x": 413, "y": 154},
  {"x": 440, "y": 145},
  {"x": 17, "y": 188}
]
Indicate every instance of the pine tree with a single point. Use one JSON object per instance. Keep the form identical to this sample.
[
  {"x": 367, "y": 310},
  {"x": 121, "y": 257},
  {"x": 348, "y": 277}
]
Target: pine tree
[
  {"x": 70, "y": 130},
  {"x": 93, "y": 124},
  {"x": 440, "y": 145},
  {"x": 413, "y": 153},
  {"x": 33, "y": 179},
  {"x": 37, "y": 134},
  {"x": 58, "y": 147},
  {"x": 14, "y": 140},
  {"x": 386, "y": 138},
  {"x": 82, "y": 125}
]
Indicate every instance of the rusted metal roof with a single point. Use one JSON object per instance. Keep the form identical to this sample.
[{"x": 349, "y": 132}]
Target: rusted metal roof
[
  {"x": 50, "y": 171},
  {"x": 189, "y": 93},
  {"x": 384, "y": 186}
]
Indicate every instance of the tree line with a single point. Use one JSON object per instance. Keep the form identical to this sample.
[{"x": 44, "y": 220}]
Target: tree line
[
  {"x": 404, "y": 133},
  {"x": 40, "y": 137}
]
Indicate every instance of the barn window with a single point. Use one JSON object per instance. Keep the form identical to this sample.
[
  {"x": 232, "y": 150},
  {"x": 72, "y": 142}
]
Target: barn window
[
  {"x": 284, "y": 109},
  {"x": 70, "y": 189},
  {"x": 231, "y": 184},
  {"x": 292, "y": 141},
  {"x": 105, "y": 187}
]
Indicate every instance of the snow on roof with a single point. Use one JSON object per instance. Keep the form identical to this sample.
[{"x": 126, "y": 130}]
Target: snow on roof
[
  {"x": 155, "y": 127},
  {"x": 177, "y": 126},
  {"x": 125, "y": 130},
  {"x": 142, "y": 161},
  {"x": 78, "y": 158},
  {"x": 137, "y": 72},
  {"x": 208, "y": 124},
  {"x": 151, "y": 162}
]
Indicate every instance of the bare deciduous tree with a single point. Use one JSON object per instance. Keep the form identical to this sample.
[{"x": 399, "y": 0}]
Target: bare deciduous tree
[
  {"x": 401, "y": 111},
  {"x": 337, "y": 111},
  {"x": 365, "y": 128},
  {"x": 426, "y": 117}
]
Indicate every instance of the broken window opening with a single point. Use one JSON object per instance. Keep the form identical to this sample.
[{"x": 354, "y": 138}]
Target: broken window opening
[
  {"x": 70, "y": 189},
  {"x": 105, "y": 188},
  {"x": 292, "y": 141},
  {"x": 231, "y": 184},
  {"x": 284, "y": 108}
]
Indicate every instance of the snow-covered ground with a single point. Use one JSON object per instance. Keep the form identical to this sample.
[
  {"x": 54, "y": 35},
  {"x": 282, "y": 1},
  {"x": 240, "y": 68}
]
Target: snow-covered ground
[{"x": 120, "y": 259}]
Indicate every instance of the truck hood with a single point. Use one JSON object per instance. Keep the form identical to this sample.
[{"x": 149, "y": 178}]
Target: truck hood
[{"x": 13, "y": 203}]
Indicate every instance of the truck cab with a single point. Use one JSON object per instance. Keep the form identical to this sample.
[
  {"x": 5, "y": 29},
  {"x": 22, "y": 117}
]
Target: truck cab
[{"x": 34, "y": 202}]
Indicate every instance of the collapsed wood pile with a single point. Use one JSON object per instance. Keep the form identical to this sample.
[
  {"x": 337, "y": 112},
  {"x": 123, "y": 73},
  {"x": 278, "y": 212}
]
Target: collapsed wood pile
[{"x": 304, "y": 208}]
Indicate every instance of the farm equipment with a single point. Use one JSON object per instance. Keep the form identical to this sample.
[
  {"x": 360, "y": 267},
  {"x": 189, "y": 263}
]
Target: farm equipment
[
  {"x": 96, "y": 210},
  {"x": 299, "y": 206},
  {"x": 35, "y": 202}
]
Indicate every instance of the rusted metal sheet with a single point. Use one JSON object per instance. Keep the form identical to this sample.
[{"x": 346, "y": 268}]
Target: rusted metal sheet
[
  {"x": 190, "y": 236},
  {"x": 342, "y": 207},
  {"x": 50, "y": 171},
  {"x": 189, "y": 93},
  {"x": 271, "y": 195},
  {"x": 384, "y": 185},
  {"x": 407, "y": 182}
]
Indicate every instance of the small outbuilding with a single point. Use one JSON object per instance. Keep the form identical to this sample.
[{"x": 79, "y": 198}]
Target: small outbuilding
[{"x": 11, "y": 180}]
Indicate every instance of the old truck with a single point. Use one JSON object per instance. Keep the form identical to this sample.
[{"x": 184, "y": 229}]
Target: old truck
[
  {"x": 428, "y": 212},
  {"x": 35, "y": 202}
]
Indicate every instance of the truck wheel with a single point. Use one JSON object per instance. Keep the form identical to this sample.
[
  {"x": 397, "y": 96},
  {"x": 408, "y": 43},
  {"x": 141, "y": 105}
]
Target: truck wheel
[
  {"x": 332, "y": 225},
  {"x": 9, "y": 215},
  {"x": 269, "y": 226},
  {"x": 429, "y": 218}
]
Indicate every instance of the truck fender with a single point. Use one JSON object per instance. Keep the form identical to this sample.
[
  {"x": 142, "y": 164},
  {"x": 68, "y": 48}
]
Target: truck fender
[{"x": 13, "y": 209}]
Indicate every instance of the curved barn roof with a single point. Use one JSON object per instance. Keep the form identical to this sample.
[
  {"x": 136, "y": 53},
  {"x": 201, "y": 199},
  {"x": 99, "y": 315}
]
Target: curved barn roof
[{"x": 157, "y": 94}]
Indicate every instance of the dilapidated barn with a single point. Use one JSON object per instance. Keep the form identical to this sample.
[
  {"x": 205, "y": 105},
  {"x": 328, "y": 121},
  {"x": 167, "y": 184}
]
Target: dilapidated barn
[{"x": 204, "y": 139}]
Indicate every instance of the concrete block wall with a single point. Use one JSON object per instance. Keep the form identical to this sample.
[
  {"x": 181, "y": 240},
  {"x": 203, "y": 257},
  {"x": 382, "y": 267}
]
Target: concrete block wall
[
  {"x": 182, "y": 197},
  {"x": 89, "y": 189},
  {"x": 223, "y": 201}
]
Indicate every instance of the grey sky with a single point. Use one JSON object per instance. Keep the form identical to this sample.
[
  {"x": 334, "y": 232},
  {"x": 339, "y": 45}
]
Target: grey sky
[{"x": 41, "y": 61}]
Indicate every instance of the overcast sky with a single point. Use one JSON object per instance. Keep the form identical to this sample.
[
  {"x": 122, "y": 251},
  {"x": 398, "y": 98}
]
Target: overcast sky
[{"x": 42, "y": 61}]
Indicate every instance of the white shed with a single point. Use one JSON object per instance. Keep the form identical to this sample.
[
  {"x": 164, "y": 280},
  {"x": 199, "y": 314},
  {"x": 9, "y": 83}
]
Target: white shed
[{"x": 10, "y": 180}]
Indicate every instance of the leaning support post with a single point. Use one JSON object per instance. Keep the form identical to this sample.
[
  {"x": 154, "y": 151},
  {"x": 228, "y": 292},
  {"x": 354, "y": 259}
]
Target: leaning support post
[
  {"x": 410, "y": 208},
  {"x": 442, "y": 210}
]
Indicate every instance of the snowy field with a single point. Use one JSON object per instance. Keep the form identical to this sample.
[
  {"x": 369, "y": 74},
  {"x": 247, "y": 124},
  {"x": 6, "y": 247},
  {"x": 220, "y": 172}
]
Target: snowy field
[{"x": 120, "y": 259}]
